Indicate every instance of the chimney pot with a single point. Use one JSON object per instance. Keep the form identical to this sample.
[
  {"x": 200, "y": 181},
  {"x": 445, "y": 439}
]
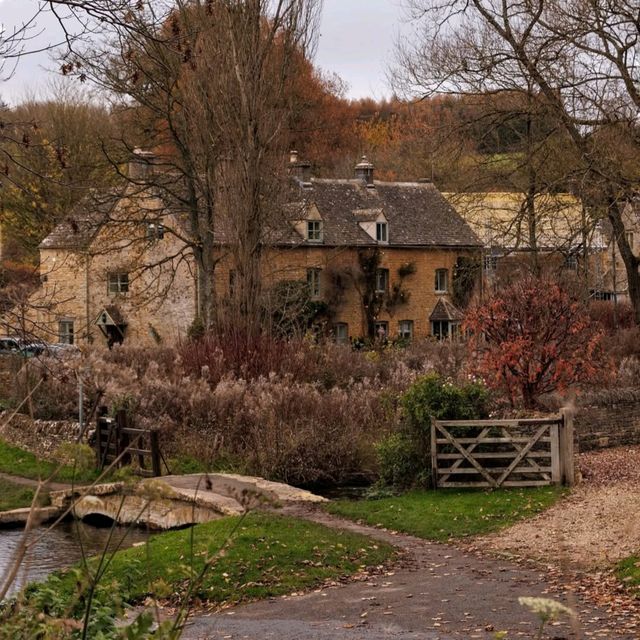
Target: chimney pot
[
  {"x": 300, "y": 169},
  {"x": 141, "y": 165},
  {"x": 364, "y": 171}
]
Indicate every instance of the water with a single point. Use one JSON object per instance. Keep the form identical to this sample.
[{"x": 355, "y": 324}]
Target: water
[{"x": 61, "y": 547}]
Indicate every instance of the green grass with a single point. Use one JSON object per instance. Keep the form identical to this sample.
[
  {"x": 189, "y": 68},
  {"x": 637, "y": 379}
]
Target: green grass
[
  {"x": 15, "y": 496},
  {"x": 628, "y": 571},
  {"x": 268, "y": 555},
  {"x": 445, "y": 514},
  {"x": 19, "y": 462}
]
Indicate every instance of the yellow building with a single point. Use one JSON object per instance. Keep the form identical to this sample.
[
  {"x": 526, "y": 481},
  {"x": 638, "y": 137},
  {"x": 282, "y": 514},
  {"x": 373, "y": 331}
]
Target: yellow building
[{"x": 116, "y": 270}]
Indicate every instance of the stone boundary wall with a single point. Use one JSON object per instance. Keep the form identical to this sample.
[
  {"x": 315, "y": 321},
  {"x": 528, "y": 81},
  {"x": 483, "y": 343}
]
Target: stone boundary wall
[
  {"x": 609, "y": 418},
  {"x": 41, "y": 437}
]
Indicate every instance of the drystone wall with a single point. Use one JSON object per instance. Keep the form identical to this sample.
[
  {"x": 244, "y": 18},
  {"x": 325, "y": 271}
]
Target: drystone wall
[{"x": 609, "y": 418}]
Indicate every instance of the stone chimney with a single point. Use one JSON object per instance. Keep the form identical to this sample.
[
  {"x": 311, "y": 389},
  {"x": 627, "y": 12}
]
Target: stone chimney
[
  {"x": 299, "y": 169},
  {"x": 364, "y": 171},
  {"x": 141, "y": 165}
]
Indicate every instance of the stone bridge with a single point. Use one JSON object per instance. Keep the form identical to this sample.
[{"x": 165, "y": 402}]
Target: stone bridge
[{"x": 176, "y": 501}]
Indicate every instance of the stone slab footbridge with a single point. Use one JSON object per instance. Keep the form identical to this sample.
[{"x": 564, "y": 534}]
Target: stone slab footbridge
[{"x": 167, "y": 502}]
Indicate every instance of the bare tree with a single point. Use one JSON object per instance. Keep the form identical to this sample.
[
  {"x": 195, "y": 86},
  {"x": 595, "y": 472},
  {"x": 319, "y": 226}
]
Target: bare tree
[
  {"x": 580, "y": 57},
  {"x": 207, "y": 87}
]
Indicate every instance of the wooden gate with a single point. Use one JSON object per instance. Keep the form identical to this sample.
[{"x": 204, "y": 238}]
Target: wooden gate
[
  {"x": 119, "y": 444},
  {"x": 502, "y": 453}
]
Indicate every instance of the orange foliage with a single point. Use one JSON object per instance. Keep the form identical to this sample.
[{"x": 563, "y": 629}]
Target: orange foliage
[{"x": 532, "y": 338}]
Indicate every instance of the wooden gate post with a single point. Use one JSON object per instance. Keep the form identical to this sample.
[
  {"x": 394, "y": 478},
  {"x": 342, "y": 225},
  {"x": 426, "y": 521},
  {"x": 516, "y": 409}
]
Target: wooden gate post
[
  {"x": 434, "y": 454},
  {"x": 567, "y": 460},
  {"x": 155, "y": 453}
]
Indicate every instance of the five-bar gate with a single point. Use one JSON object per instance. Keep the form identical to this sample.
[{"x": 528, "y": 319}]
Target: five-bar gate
[{"x": 502, "y": 453}]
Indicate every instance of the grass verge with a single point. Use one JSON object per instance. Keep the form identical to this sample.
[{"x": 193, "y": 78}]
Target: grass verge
[
  {"x": 19, "y": 462},
  {"x": 447, "y": 513},
  {"x": 628, "y": 572},
  {"x": 268, "y": 556},
  {"x": 15, "y": 496}
]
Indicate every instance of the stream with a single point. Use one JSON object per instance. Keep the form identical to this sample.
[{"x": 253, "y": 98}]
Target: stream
[{"x": 61, "y": 547}]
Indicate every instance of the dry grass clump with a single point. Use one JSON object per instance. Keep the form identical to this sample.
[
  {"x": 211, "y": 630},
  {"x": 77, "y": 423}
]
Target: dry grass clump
[{"x": 292, "y": 410}]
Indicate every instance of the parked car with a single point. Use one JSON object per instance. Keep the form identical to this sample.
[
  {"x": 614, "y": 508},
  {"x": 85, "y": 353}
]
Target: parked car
[
  {"x": 16, "y": 346},
  {"x": 10, "y": 345}
]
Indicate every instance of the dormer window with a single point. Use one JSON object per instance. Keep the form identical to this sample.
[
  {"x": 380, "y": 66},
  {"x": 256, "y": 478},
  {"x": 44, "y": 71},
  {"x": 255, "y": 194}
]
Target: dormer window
[
  {"x": 382, "y": 232},
  {"x": 314, "y": 230}
]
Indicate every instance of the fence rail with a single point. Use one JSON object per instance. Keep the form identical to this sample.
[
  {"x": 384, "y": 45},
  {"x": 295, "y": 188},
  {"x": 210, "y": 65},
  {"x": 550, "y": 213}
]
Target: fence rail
[
  {"x": 118, "y": 443},
  {"x": 502, "y": 453}
]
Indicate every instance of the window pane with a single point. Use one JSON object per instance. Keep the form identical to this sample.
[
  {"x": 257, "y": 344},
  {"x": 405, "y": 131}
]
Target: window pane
[
  {"x": 65, "y": 331},
  {"x": 314, "y": 230},
  {"x": 382, "y": 280},
  {"x": 341, "y": 332},
  {"x": 382, "y": 330},
  {"x": 381, "y": 231},
  {"x": 313, "y": 282},
  {"x": 405, "y": 329},
  {"x": 441, "y": 280}
]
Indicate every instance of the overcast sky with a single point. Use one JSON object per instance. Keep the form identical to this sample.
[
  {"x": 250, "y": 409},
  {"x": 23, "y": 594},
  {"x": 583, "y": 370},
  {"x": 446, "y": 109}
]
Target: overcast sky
[{"x": 356, "y": 42}]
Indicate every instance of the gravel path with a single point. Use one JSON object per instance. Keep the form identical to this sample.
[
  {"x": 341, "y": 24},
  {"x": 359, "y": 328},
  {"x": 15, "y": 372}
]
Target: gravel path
[{"x": 597, "y": 525}]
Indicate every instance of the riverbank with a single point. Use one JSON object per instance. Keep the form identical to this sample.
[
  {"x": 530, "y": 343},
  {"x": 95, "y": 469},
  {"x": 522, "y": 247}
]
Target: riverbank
[{"x": 223, "y": 562}]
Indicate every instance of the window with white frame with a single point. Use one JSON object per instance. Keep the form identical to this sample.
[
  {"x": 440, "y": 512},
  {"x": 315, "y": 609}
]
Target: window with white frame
[
  {"x": 490, "y": 263},
  {"x": 442, "y": 278},
  {"x": 118, "y": 283},
  {"x": 445, "y": 330},
  {"x": 314, "y": 230},
  {"x": 405, "y": 329},
  {"x": 382, "y": 280},
  {"x": 65, "y": 331},
  {"x": 630, "y": 238},
  {"x": 571, "y": 262},
  {"x": 341, "y": 332},
  {"x": 313, "y": 282},
  {"x": 382, "y": 232},
  {"x": 155, "y": 230}
]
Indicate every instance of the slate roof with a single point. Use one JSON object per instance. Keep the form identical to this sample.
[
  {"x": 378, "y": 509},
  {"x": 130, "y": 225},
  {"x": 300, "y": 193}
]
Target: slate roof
[
  {"x": 445, "y": 310},
  {"x": 81, "y": 225},
  {"x": 417, "y": 214}
]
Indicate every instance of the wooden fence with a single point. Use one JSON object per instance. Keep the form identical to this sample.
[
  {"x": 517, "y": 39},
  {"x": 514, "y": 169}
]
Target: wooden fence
[
  {"x": 119, "y": 444},
  {"x": 503, "y": 453}
]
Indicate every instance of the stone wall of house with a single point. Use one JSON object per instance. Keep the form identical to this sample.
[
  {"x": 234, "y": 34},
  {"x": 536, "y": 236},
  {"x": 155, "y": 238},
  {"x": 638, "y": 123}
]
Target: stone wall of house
[
  {"x": 609, "y": 418},
  {"x": 292, "y": 263},
  {"x": 159, "y": 305}
]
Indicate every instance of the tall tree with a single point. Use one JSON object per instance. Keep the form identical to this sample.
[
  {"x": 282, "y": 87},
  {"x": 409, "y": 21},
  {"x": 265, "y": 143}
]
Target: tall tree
[
  {"x": 580, "y": 57},
  {"x": 207, "y": 85}
]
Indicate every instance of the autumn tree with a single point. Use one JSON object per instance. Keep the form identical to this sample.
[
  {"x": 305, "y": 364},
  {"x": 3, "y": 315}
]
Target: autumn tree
[
  {"x": 579, "y": 57},
  {"x": 53, "y": 164},
  {"x": 207, "y": 85},
  {"x": 534, "y": 337}
]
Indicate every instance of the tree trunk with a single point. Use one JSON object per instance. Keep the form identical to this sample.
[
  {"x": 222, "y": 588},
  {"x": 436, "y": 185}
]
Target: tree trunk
[{"x": 631, "y": 262}]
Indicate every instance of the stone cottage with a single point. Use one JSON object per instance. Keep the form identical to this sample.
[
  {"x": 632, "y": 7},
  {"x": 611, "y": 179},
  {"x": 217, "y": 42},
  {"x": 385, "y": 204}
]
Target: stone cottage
[{"x": 381, "y": 257}]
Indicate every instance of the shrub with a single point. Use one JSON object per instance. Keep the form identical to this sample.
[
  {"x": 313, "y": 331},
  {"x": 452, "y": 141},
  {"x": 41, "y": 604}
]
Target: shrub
[
  {"x": 404, "y": 458},
  {"x": 534, "y": 337},
  {"x": 292, "y": 410},
  {"x": 399, "y": 461}
]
